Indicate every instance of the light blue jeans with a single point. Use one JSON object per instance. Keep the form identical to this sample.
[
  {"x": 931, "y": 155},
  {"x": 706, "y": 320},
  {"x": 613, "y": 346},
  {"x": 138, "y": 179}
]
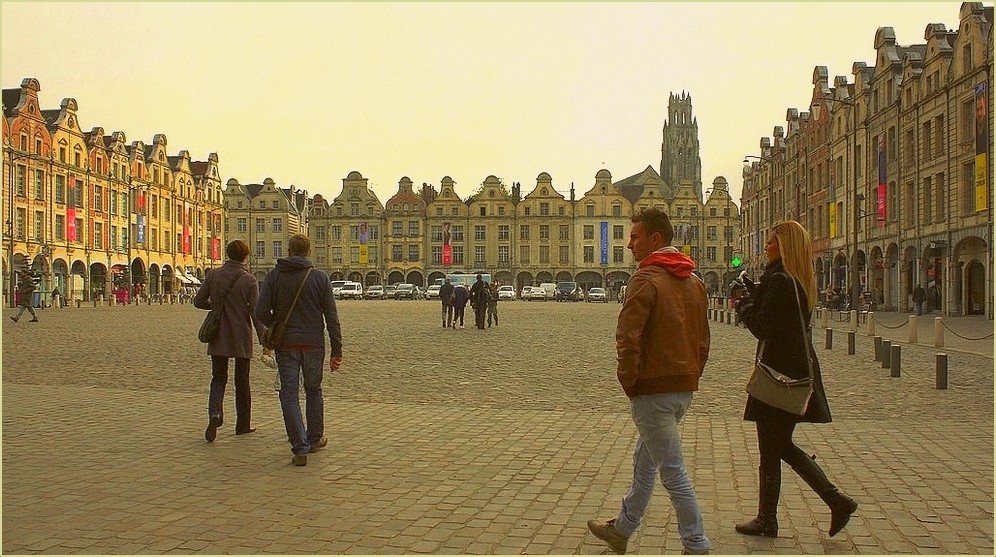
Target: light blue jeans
[
  {"x": 292, "y": 365},
  {"x": 658, "y": 451}
]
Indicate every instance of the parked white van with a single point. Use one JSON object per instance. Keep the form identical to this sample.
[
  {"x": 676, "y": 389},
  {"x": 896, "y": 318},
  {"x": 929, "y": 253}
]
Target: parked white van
[
  {"x": 550, "y": 288},
  {"x": 353, "y": 290}
]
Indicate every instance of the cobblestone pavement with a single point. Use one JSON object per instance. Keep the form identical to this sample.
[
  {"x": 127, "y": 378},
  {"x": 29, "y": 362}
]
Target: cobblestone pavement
[{"x": 459, "y": 441}]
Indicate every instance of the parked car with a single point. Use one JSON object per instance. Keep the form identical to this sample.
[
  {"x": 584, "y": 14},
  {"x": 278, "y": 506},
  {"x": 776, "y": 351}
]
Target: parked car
[
  {"x": 389, "y": 291},
  {"x": 567, "y": 292},
  {"x": 374, "y": 292},
  {"x": 596, "y": 294},
  {"x": 550, "y": 289},
  {"x": 524, "y": 293},
  {"x": 420, "y": 293},
  {"x": 352, "y": 290},
  {"x": 432, "y": 292},
  {"x": 405, "y": 291},
  {"x": 506, "y": 292},
  {"x": 537, "y": 293}
]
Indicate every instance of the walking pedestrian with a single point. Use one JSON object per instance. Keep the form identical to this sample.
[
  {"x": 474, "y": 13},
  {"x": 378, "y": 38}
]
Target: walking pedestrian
[
  {"x": 234, "y": 291},
  {"x": 919, "y": 297},
  {"x": 479, "y": 300},
  {"x": 772, "y": 314},
  {"x": 446, "y": 296},
  {"x": 303, "y": 299},
  {"x": 493, "y": 302},
  {"x": 460, "y": 297},
  {"x": 662, "y": 343},
  {"x": 26, "y": 286}
]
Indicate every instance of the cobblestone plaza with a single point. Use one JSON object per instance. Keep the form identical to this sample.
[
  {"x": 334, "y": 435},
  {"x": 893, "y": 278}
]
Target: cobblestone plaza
[{"x": 461, "y": 441}]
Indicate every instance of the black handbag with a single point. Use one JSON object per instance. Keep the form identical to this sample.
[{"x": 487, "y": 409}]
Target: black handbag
[
  {"x": 273, "y": 336},
  {"x": 777, "y": 389},
  {"x": 212, "y": 321}
]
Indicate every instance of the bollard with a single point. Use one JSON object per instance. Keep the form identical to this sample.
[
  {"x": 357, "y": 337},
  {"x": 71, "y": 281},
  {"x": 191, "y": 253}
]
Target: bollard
[
  {"x": 886, "y": 353},
  {"x": 78, "y": 302},
  {"x": 728, "y": 318},
  {"x": 913, "y": 329},
  {"x": 878, "y": 349},
  {"x": 938, "y": 332},
  {"x": 894, "y": 360},
  {"x": 824, "y": 318},
  {"x": 850, "y": 342},
  {"x": 829, "y": 345},
  {"x": 941, "y": 372},
  {"x": 854, "y": 319},
  {"x": 871, "y": 323}
]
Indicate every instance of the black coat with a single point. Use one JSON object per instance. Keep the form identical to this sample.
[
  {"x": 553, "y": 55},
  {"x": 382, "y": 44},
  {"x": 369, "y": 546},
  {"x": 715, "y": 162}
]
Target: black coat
[
  {"x": 772, "y": 314},
  {"x": 235, "y": 339}
]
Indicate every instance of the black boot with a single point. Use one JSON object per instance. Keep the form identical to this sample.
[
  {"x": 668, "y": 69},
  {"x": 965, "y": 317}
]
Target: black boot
[
  {"x": 841, "y": 506},
  {"x": 766, "y": 522}
]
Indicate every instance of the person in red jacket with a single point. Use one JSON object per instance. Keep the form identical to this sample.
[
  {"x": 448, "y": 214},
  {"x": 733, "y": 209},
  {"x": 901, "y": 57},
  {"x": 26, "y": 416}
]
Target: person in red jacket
[{"x": 662, "y": 343}]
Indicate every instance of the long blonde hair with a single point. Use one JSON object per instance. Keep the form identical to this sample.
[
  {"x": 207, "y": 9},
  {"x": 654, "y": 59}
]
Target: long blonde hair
[{"x": 796, "y": 250}]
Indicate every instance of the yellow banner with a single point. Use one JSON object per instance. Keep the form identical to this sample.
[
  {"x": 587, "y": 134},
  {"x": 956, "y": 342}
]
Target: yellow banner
[
  {"x": 363, "y": 254},
  {"x": 981, "y": 179},
  {"x": 833, "y": 220}
]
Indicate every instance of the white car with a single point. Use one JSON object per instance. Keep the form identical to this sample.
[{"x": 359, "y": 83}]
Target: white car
[
  {"x": 336, "y": 285},
  {"x": 432, "y": 292},
  {"x": 596, "y": 294},
  {"x": 375, "y": 292},
  {"x": 506, "y": 292},
  {"x": 537, "y": 293},
  {"x": 352, "y": 290},
  {"x": 524, "y": 293}
]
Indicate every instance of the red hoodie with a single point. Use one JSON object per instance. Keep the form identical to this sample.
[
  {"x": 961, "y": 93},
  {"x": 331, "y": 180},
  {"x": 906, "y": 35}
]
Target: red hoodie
[{"x": 671, "y": 260}]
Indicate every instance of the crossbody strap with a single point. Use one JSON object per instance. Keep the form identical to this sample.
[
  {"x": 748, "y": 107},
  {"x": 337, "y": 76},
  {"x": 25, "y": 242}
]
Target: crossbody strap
[
  {"x": 298, "y": 295},
  {"x": 806, "y": 337},
  {"x": 230, "y": 286}
]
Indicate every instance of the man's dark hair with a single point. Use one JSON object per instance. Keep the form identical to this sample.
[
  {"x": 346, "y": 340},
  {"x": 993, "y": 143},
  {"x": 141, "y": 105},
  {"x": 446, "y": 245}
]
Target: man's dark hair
[
  {"x": 299, "y": 244},
  {"x": 655, "y": 220},
  {"x": 237, "y": 250}
]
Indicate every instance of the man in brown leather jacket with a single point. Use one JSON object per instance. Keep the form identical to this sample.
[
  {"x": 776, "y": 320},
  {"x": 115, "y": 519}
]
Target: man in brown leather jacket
[{"x": 662, "y": 343}]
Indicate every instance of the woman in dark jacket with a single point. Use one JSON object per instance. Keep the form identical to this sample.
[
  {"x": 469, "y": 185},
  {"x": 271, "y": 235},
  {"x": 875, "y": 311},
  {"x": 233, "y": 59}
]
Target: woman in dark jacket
[
  {"x": 772, "y": 314},
  {"x": 234, "y": 339}
]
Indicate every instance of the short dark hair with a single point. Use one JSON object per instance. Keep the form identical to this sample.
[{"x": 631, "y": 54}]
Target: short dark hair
[
  {"x": 237, "y": 250},
  {"x": 655, "y": 220},
  {"x": 299, "y": 244}
]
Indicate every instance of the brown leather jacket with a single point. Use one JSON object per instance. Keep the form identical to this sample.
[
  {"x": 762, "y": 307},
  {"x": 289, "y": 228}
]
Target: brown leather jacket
[{"x": 662, "y": 336}]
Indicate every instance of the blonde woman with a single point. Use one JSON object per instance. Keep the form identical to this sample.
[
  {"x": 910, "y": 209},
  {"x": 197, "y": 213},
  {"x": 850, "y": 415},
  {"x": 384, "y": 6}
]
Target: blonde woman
[{"x": 771, "y": 313}]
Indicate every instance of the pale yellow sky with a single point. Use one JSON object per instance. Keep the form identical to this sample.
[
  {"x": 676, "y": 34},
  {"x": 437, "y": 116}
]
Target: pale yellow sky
[{"x": 305, "y": 93}]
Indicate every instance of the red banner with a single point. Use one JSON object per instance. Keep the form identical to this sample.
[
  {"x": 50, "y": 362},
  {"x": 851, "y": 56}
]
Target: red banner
[
  {"x": 881, "y": 181},
  {"x": 447, "y": 254},
  {"x": 215, "y": 248},
  {"x": 186, "y": 230},
  {"x": 71, "y": 210}
]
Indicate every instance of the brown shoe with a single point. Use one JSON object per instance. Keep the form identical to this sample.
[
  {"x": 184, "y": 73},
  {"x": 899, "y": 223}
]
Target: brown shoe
[
  {"x": 299, "y": 460},
  {"x": 318, "y": 444},
  {"x": 606, "y": 531}
]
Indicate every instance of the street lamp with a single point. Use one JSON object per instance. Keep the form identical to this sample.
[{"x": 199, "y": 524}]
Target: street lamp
[{"x": 850, "y": 147}]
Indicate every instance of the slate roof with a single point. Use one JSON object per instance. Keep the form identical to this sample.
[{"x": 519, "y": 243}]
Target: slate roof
[
  {"x": 631, "y": 187},
  {"x": 10, "y": 99}
]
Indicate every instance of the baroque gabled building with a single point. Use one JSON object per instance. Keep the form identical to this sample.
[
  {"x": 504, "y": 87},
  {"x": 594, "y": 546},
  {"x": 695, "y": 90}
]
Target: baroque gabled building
[{"x": 894, "y": 172}]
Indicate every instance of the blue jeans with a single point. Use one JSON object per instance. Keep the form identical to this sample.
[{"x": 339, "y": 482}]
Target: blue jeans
[
  {"x": 658, "y": 451},
  {"x": 292, "y": 365},
  {"x": 29, "y": 309}
]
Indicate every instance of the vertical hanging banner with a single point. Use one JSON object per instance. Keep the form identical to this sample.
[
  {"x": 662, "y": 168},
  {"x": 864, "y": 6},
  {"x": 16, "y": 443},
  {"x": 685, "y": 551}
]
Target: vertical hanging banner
[
  {"x": 447, "y": 249},
  {"x": 141, "y": 229},
  {"x": 215, "y": 248},
  {"x": 881, "y": 181},
  {"x": 71, "y": 211},
  {"x": 833, "y": 220},
  {"x": 604, "y": 241},
  {"x": 981, "y": 147},
  {"x": 364, "y": 250},
  {"x": 186, "y": 229}
]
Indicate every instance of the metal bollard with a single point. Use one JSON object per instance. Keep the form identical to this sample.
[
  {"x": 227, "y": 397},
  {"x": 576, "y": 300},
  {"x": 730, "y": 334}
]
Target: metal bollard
[
  {"x": 729, "y": 318},
  {"x": 829, "y": 344},
  {"x": 913, "y": 329},
  {"x": 886, "y": 353},
  {"x": 941, "y": 372},
  {"x": 850, "y": 342},
  {"x": 854, "y": 319},
  {"x": 895, "y": 360},
  {"x": 878, "y": 349},
  {"x": 824, "y": 318},
  {"x": 938, "y": 332},
  {"x": 78, "y": 302},
  {"x": 871, "y": 323}
]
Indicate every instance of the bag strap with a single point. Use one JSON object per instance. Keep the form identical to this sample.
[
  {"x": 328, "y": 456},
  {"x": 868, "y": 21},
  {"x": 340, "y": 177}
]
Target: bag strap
[
  {"x": 806, "y": 336},
  {"x": 298, "y": 295},
  {"x": 230, "y": 286}
]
